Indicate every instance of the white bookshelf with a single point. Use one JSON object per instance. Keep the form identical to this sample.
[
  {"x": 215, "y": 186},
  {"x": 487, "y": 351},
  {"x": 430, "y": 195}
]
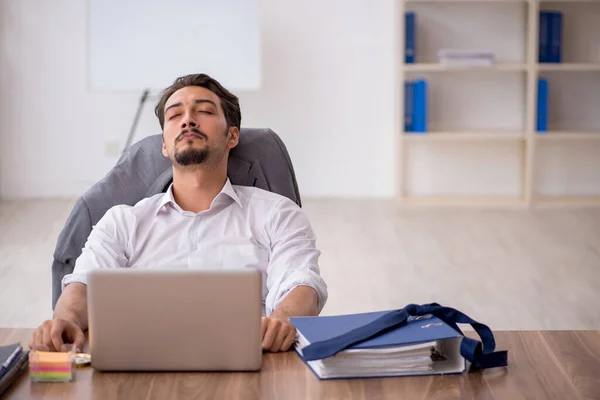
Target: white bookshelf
[
  {"x": 569, "y": 136},
  {"x": 467, "y": 136},
  {"x": 482, "y": 148},
  {"x": 435, "y": 67},
  {"x": 569, "y": 67}
]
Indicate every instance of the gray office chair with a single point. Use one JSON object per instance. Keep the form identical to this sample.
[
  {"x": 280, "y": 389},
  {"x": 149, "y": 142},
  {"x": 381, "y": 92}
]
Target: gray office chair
[{"x": 260, "y": 160}]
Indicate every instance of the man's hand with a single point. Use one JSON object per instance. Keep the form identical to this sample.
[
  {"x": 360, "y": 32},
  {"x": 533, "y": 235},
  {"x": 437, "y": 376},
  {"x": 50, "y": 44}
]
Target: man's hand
[
  {"x": 70, "y": 320},
  {"x": 278, "y": 333},
  {"x": 53, "y": 333}
]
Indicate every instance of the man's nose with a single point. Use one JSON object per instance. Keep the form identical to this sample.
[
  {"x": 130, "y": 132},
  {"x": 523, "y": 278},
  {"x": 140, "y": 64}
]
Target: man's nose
[{"x": 188, "y": 122}]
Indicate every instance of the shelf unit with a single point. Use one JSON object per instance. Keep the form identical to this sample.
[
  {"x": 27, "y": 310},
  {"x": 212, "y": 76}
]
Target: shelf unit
[
  {"x": 470, "y": 136},
  {"x": 552, "y": 136},
  {"x": 570, "y": 67},
  {"x": 460, "y": 141},
  {"x": 434, "y": 67}
]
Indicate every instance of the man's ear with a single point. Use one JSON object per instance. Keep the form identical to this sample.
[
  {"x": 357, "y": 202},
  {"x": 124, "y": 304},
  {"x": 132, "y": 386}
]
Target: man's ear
[
  {"x": 164, "y": 147},
  {"x": 233, "y": 137}
]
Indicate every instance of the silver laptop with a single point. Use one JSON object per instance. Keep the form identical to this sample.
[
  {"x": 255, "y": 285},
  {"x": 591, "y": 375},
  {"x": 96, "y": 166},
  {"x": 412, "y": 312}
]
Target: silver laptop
[{"x": 175, "y": 320}]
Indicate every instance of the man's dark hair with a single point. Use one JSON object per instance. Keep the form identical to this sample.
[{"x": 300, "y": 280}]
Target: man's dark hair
[{"x": 229, "y": 102}]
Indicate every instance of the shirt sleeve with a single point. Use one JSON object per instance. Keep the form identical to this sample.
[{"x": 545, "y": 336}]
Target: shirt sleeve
[
  {"x": 294, "y": 255},
  {"x": 106, "y": 247}
]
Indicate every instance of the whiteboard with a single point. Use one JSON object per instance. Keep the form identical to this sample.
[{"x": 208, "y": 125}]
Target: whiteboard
[{"x": 139, "y": 44}]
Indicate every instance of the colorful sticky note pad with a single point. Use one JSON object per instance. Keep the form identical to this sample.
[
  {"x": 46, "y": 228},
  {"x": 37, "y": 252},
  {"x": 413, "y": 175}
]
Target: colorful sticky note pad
[{"x": 47, "y": 366}]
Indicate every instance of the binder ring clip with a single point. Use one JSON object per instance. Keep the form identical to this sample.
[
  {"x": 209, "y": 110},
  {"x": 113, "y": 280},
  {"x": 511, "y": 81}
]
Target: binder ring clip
[
  {"x": 430, "y": 325},
  {"x": 419, "y": 317}
]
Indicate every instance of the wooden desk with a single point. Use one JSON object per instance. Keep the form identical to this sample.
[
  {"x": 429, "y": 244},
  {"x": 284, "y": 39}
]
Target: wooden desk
[{"x": 542, "y": 365}]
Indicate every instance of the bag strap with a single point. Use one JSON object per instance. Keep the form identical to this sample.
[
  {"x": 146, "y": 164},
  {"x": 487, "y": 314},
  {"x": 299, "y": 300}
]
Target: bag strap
[{"x": 481, "y": 354}]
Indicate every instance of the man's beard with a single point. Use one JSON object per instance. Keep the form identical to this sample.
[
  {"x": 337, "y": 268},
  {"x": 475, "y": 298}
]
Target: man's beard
[{"x": 191, "y": 156}]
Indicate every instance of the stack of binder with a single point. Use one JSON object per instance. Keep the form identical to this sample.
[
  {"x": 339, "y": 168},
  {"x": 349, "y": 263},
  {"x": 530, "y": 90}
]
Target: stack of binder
[
  {"x": 415, "y": 106},
  {"x": 409, "y": 37},
  {"x": 424, "y": 346},
  {"x": 542, "y": 105},
  {"x": 14, "y": 361},
  {"x": 550, "y": 36}
]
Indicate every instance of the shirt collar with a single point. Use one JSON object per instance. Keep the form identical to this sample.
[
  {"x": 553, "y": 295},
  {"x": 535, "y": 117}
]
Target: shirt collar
[
  {"x": 227, "y": 190},
  {"x": 230, "y": 191}
]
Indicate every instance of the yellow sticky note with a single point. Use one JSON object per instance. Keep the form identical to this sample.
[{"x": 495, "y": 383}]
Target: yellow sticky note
[{"x": 47, "y": 357}]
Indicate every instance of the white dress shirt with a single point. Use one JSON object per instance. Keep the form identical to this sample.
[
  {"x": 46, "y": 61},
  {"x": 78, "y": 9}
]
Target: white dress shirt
[{"x": 245, "y": 227}]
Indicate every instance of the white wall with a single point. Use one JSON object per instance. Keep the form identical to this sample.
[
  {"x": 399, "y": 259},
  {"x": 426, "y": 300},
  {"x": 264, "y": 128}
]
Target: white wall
[{"x": 327, "y": 90}]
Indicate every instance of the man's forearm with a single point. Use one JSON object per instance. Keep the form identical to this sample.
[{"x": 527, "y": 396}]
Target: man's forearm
[
  {"x": 72, "y": 305},
  {"x": 301, "y": 301}
]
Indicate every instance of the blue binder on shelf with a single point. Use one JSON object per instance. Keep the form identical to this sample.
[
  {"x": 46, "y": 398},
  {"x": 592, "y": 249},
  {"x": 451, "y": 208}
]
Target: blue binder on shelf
[
  {"x": 424, "y": 346},
  {"x": 420, "y": 106},
  {"x": 544, "y": 37},
  {"x": 555, "y": 42},
  {"x": 409, "y": 37},
  {"x": 542, "y": 105},
  {"x": 408, "y": 106}
]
